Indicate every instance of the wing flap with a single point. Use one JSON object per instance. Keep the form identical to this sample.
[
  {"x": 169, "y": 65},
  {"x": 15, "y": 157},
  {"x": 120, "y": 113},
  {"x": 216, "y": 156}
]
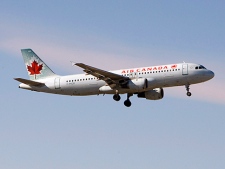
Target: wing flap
[{"x": 29, "y": 82}]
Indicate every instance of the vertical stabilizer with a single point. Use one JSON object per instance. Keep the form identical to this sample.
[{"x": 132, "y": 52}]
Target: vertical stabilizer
[{"x": 36, "y": 68}]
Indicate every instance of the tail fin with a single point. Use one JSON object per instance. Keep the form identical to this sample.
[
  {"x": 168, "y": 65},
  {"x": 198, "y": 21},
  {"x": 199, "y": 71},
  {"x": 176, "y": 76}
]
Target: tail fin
[{"x": 36, "y": 68}]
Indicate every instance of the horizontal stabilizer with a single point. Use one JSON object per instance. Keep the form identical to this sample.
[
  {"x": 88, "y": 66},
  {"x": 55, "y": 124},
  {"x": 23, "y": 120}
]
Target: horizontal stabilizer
[{"x": 29, "y": 82}]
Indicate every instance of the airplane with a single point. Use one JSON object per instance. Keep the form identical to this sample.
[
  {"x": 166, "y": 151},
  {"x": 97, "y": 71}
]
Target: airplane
[{"x": 145, "y": 82}]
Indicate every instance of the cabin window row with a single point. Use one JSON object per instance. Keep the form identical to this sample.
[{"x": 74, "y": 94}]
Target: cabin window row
[
  {"x": 153, "y": 72},
  {"x": 77, "y": 80}
]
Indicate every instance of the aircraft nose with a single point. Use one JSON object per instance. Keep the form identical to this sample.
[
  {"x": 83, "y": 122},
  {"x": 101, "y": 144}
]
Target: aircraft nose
[{"x": 210, "y": 74}]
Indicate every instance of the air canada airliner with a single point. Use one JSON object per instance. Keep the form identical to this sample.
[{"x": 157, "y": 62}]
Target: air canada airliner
[{"x": 145, "y": 82}]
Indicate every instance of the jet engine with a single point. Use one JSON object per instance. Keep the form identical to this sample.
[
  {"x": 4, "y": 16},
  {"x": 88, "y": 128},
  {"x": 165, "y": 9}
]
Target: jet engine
[
  {"x": 137, "y": 84},
  {"x": 154, "y": 94}
]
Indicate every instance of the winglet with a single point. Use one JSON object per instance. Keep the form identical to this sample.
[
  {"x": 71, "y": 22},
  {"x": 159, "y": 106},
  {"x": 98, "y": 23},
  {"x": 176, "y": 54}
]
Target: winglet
[{"x": 73, "y": 63}]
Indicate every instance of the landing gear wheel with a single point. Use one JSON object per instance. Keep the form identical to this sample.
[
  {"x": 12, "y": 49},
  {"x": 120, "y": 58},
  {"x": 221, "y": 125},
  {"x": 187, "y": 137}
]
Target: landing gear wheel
[
  {"x": 127, "y": 103},
  {"x": 188, "y": 88},
  {"x": 189, "y": 94},
  {"x": 116, "y": 97}
]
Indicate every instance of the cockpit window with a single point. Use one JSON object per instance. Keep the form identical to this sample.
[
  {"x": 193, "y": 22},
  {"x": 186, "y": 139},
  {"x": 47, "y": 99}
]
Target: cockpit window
[{"x": 200, "y": 67}]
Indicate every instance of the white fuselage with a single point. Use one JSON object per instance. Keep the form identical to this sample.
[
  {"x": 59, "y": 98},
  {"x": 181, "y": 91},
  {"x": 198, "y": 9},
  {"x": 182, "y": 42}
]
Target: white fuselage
[{"x": 157, "y": 77}]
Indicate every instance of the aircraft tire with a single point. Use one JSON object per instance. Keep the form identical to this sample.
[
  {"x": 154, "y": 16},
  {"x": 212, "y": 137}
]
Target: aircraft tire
[
  {"x": 189, "y": 94},
  {"x": 116, "y": 97},
  {"x": 127, "y": 103}
]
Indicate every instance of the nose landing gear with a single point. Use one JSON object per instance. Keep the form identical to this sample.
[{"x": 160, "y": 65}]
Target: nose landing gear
[{"x": 188, "y": 88}]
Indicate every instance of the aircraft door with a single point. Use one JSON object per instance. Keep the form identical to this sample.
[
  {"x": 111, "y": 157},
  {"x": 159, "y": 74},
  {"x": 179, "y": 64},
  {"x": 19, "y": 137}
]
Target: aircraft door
[
  {"x": 136, "y": 75},
  {"x": 57, "y": 83},
  {"x": 185, "y": 69},
  {"x": 133, "y": 75}
]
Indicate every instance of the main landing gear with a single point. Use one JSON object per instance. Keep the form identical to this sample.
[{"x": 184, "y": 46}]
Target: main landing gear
[
  {"x": 127, "y": 102},
  {"x": 188, "y": 88},
  {"x": 116, "y": 97}
]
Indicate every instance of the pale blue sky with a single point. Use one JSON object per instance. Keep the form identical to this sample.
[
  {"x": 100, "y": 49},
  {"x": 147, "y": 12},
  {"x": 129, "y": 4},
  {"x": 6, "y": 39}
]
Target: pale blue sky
[{"x": 45, "y": 131}]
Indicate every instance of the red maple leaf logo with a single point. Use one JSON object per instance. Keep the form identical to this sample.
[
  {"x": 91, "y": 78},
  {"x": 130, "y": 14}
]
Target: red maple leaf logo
[
  {"x": 174, "y": 66},
  {"x": 34, "y": 69}
]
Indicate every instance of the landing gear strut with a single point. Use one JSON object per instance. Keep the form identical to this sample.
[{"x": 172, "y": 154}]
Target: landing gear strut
[
  {"x": 127, "y": 102},
  {"x": 188, "y": 88}
]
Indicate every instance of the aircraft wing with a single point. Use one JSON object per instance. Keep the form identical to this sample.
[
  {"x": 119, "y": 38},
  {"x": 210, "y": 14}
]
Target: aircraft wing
[
  {"x": 109, "y": 77},
  {"x": 29, "y": 82}
]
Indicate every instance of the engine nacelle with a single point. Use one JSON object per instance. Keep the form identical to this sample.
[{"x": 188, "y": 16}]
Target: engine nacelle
[
  {"x": 138, "y": 84},
  {"x": 154, "y": 94}
]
